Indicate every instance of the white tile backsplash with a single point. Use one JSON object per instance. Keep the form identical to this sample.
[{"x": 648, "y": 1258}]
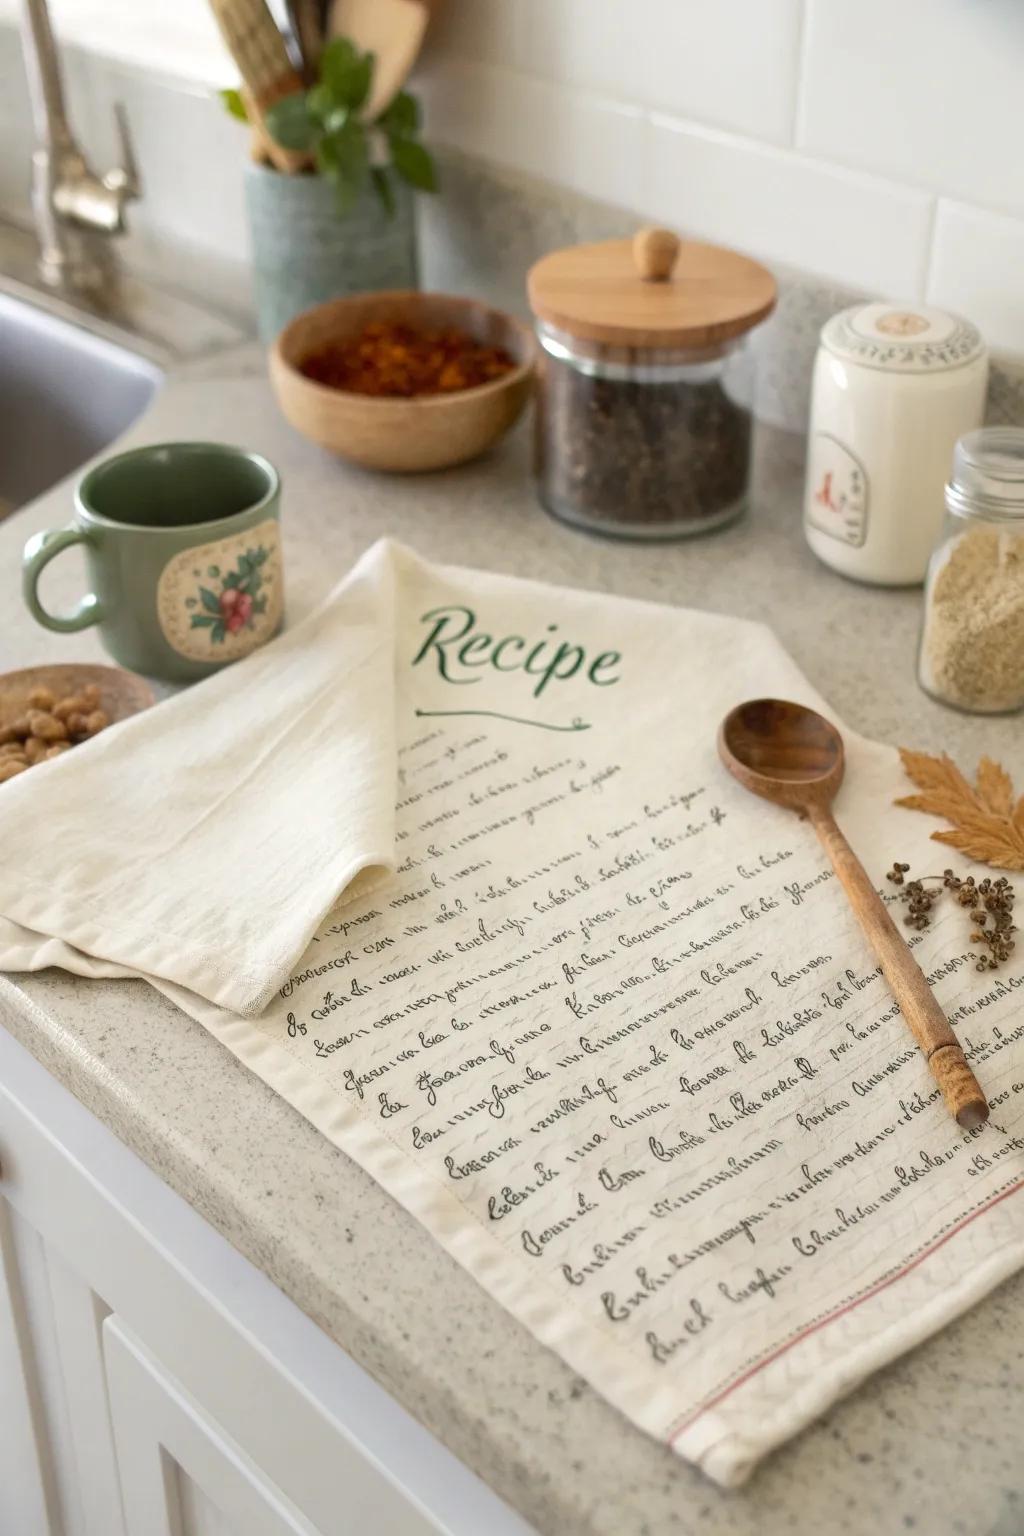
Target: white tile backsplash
[
  {"x": 731, "y": 63},
  {"x": 925, "y": 91},
  {"x": 591, "y": 144},
  {"x": 787, "y": 208},
  {"x": 978, "y": 269}
]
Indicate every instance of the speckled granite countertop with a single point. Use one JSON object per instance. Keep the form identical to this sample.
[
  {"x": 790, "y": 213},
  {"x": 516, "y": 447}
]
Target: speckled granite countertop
[{"x": 932, "y": 1444}]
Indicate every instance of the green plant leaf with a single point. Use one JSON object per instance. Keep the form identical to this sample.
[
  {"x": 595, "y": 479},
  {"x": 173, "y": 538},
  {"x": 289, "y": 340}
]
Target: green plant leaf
[
  {"x": 320, "y": 102},
  {"x": 209, "y": 601},
  {"x": 337, "y": 58},
  {"x": 289, "y": 123},
  {"x": 413, "y": 163},
  {"x": 236, "y": 106},
  {"x": 218, "y": 632},
  {"x": 346, "y": 73},
  {"x": 203, "y": 620},
  {"x": 402, "y": 115},
  {"x": 344, "y": 158},
  {"x": 383, "y": 188},
  {"x": 362, "y": 79}
]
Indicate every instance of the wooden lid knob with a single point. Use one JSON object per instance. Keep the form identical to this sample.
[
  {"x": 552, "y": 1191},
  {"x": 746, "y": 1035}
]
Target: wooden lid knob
[{"x": 655, "y": 252}]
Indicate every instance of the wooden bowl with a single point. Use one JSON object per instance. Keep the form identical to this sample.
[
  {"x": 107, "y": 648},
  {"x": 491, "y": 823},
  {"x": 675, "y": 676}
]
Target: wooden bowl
[
  {"x": 426, "y": 432},
  {"x": 121, "y": 693}
]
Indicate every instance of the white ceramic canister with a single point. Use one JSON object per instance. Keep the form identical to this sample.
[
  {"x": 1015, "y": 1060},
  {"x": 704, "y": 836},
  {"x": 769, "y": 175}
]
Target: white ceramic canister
[{"x": 893, "y": 390}]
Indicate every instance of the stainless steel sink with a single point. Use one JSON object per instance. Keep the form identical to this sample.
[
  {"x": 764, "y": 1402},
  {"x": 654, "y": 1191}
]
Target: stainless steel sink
[
  {"x": 64, "y": 394},
  {"x": 76, "y": 371}
]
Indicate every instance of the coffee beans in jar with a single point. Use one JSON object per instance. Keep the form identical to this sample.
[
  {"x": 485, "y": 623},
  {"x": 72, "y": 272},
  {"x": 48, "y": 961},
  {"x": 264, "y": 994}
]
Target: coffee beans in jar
[
  {"x": 644, "y": 421},
  {"x": 642, "y": 445}
]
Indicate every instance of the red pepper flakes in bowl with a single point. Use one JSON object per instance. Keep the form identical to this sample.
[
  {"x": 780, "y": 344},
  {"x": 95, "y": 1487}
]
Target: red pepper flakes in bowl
[{"x": 397, "y": 361}]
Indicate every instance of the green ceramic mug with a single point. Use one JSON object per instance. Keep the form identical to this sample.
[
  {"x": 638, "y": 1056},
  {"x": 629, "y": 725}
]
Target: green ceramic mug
[{"x": 182, "y": 548}]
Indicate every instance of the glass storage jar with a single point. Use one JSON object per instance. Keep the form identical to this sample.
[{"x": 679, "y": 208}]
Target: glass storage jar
[
  {"x": 972, "y": 637},
  {"x": 644, "y": 409}
]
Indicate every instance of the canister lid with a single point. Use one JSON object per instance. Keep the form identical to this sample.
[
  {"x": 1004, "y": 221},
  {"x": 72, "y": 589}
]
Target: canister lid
[
  {"x": 902, "y": 339},
  {"x": 988, "y": 474},
  {"x": 652, "y": 291}
]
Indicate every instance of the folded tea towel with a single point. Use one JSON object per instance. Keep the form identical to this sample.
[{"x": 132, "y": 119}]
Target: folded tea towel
[
  {"x": 454, "y": 867},
  {"x": 202, "y": 842}
]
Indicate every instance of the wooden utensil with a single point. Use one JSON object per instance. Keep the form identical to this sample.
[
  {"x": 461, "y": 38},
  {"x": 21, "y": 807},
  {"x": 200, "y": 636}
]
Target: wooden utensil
[
  {"x": 794, "y": 757},
  {"x": 304, "y": 18},
  {"x": 259, "y": 51},
  {"x": 393, "y": 31}
]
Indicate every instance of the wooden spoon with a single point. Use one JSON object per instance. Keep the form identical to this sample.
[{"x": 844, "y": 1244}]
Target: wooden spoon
[
  {"x": 393, "y": 31},
  {"x": 793, "y": 757}
]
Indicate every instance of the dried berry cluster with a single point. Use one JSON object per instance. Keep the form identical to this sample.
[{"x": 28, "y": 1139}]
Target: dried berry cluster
[{"x": 990, "y": 901}]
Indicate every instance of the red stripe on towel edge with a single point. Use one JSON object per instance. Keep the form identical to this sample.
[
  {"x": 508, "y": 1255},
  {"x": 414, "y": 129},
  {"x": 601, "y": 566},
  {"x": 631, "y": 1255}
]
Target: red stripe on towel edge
[{"x": 841, "y": 1311}]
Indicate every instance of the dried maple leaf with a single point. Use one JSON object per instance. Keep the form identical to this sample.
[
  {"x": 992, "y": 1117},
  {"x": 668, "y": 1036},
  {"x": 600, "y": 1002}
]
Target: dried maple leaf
[
  {"x": 995, "y": 787},
  {"x": 986, "y": 823}
]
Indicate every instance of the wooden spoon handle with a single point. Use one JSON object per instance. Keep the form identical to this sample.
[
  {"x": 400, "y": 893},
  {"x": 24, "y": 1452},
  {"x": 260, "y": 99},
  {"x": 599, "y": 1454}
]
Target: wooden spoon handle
[{"x": 918, "y": 1004}]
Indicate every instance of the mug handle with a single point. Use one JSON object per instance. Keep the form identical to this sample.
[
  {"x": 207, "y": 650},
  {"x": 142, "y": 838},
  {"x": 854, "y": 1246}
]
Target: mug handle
[{"x": 39, "y": 551}]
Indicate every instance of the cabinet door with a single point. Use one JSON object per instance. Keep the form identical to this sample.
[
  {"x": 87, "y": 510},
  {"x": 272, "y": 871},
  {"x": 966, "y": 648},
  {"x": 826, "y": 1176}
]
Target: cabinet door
[
  {"x": 26, "y": 1493},
  {"x": 180, "y": 1475},
  {"x": 57, "y": 1471}
]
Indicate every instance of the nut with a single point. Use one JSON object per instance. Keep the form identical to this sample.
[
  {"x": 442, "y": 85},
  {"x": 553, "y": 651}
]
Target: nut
[
  {"x": 74, "y": 704},
  {"x": 47, "y": 726}
]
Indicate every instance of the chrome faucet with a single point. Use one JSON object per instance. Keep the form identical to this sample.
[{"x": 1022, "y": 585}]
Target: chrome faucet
[{"x": 76, "y": 210}]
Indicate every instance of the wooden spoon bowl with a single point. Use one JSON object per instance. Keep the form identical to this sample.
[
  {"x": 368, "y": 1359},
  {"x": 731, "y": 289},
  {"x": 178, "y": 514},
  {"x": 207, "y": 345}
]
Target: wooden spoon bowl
[{"x": 783, "y": 752}]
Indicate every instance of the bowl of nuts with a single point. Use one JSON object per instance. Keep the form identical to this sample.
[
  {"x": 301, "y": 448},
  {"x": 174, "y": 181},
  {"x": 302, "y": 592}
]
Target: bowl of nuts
[{"x": 45, "y": 711}]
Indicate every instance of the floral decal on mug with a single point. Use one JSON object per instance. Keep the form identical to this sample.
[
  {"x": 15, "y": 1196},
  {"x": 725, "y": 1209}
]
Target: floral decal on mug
[
  {"x": 237, "y": 604},
  {"x": 217, "y": 602}
]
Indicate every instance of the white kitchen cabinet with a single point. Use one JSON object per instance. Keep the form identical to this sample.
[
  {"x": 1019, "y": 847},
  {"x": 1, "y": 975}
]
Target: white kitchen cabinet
[
  {"x": 180, "y": 1475},
  {"x": 154, "y": 1383}
]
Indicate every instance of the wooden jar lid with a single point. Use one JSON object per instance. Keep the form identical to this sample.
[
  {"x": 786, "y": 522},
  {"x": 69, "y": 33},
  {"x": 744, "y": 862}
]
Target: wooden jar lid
[{"x": 652, "y": 291}]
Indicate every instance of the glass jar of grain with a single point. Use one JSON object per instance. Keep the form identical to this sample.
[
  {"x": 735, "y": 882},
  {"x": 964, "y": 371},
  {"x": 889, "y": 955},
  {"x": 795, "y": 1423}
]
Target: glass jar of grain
[
  {"x": 644, "y": 410},
  {"x": 972, "y": 639}
]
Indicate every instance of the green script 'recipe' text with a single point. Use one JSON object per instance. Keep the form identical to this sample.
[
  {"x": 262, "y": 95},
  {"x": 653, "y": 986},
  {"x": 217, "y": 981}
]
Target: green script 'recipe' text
[{"x": 458, "y": 649}]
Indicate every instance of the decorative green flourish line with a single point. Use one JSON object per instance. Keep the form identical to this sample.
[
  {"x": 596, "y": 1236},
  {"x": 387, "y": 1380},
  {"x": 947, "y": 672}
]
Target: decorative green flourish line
[{"x": 495, "y": 714}]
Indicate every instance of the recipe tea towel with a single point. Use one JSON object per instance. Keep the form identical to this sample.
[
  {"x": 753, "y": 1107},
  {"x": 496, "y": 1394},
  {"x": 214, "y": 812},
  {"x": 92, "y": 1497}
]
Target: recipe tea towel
[{"x": 454, "y": 867}]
